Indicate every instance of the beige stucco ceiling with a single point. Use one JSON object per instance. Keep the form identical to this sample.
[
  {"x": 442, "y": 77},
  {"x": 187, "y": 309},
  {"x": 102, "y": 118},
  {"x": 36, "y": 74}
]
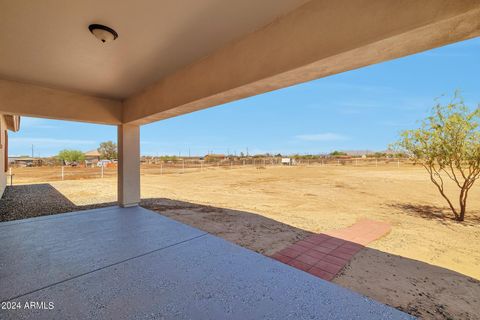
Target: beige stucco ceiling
[{"x": 48, "y": 43}]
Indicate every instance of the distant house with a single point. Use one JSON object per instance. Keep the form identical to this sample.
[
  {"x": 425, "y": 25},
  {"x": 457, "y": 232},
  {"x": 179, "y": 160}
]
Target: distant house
[
  {"x": 214, "y": 157},
  {"x": 24, "y": 161},
  {"x": 92, "y": 157}
]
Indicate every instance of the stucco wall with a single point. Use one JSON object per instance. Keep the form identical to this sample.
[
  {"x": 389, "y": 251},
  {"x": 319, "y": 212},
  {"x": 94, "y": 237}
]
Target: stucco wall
[{"x": 3, "y": 175}]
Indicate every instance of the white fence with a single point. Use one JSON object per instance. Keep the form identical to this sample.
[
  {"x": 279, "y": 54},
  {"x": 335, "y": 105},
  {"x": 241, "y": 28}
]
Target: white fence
[{"x": 181, "y": 166}]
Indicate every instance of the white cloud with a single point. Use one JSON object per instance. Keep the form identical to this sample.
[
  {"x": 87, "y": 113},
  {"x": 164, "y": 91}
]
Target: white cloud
[
  {"x": 327, "y": 136},
  {"x": 51, "y": 141}
]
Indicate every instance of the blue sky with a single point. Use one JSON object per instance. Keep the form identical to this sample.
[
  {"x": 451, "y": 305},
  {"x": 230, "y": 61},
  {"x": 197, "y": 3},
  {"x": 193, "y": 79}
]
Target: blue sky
[{"x": 357, "y": 110}]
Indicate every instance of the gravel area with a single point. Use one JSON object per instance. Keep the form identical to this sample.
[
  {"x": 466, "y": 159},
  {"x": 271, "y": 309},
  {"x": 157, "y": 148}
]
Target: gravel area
[{"x": 28, "y": 201}]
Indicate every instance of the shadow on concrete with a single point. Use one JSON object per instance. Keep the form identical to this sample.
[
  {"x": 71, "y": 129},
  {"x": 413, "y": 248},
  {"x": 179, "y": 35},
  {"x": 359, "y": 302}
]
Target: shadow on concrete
[
  {"x": 441, "y": 214},
  {"x": 418, "y": 288}
]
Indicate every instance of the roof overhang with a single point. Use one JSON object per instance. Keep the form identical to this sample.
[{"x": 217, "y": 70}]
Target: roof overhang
[{"x": 182, "y": 56}]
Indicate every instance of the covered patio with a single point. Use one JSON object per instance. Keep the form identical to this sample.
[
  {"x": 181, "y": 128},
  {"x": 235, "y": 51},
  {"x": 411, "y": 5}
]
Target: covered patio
[
  {"x": 131, "y": 263},
  {"x": 165, "y": 59}
]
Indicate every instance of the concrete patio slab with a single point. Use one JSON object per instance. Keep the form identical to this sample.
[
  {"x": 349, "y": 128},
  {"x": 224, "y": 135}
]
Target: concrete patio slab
[
  {"x": 37, "y": 252},
  {"x": 196, "y": 276}
]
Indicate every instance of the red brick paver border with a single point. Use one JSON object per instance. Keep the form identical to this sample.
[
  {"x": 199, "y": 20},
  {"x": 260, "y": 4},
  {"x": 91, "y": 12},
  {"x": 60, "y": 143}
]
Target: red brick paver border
[{"x": 325, "y": 254}]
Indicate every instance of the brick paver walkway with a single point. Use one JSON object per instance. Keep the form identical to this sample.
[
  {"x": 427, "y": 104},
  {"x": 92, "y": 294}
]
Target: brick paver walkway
[{"x": 325, "y": 254}]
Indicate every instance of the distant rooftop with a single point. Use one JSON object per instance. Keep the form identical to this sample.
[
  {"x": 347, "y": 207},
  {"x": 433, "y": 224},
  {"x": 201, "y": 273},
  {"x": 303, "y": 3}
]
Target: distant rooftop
[{"x": 92, "y": 153}]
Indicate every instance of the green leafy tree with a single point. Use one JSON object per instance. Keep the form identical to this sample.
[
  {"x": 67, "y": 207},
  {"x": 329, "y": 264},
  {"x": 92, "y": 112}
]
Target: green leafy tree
[
  {"x": 447, "y": 145},
  {"x": 379, "y": 155},
  {"x": 69, "y": 156},
  {"x": 108, "y": 150},
  {"x": 337, "y": 153},
  {"x": 169, "y": 158}
]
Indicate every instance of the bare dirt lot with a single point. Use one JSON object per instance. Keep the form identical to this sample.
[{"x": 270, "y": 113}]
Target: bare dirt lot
[{"x": 428, "y": 265}]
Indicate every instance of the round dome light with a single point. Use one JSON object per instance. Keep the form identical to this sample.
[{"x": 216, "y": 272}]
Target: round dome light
[{"x": 103, "y": 33}]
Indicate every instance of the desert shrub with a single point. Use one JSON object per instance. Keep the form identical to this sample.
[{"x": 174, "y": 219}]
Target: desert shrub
[{"x": 447, "y": 145}]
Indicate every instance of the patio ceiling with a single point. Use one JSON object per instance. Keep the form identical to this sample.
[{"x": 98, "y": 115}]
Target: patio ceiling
[
  {"x": 48, "y": 42},
  {"x": 175, "y": 57}
]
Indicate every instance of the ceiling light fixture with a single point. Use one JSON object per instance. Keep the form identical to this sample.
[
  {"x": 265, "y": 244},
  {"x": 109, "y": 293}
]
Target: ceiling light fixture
[{"x": 103, "y": 33}]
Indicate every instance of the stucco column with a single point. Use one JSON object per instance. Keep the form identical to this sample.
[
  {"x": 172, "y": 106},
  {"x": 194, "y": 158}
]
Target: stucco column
[{"x": 128, "y": 165}]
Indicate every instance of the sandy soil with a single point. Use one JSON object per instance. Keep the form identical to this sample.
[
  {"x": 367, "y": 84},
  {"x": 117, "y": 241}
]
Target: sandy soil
[{"x": 427, "y": 264}]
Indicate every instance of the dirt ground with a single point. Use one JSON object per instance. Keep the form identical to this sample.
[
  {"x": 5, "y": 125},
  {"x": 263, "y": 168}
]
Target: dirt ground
[{"x": 428, "y": 265}]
